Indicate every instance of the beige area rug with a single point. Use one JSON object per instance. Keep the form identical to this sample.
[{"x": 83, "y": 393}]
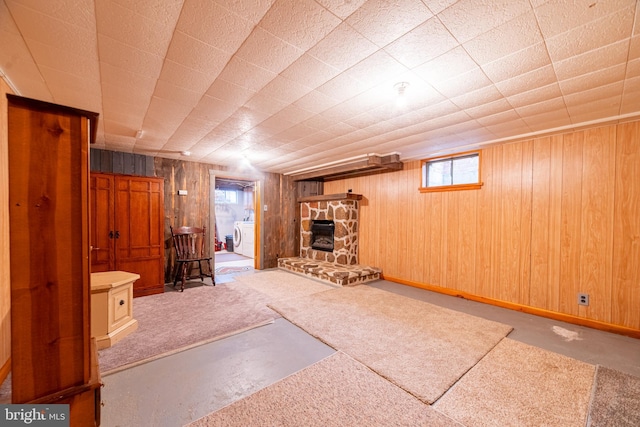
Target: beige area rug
[
  {"x": 616, "y": 400},
  {"x": 280, "y": 285},
  {"x": 420, "y": 347},
  {"x": 337, "y": 391},
  {"x": 520, "y": 385},
  {"x": 175, "y": 321}
]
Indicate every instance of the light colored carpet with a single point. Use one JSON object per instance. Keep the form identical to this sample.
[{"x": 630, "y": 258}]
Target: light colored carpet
[
  {"x": 616, "y": 400},
  {"x": 418, "y": 346},
  {"x": 520, "y": 385},
  {"x": 337, "y": 391},
  {"x": 176, "y": 321},
  {"x": 280, "y": 285},
  {"x": 232, "y": 269}
]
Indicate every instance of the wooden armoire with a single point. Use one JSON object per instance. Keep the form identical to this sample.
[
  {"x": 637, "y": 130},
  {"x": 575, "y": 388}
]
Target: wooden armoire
[
  {"x": 54, "y": 360},
  {"x": 127, "y": 228}
]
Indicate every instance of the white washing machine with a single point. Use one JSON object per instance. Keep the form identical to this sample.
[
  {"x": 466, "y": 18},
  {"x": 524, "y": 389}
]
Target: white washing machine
[
  {"x": 247, "y": 239},
  {"x": 237, "y": 237}
]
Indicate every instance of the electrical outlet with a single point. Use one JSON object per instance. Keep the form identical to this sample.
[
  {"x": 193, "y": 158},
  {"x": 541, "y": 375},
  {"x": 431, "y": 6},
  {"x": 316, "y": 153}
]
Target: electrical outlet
[{"x": 583, "y": 299}]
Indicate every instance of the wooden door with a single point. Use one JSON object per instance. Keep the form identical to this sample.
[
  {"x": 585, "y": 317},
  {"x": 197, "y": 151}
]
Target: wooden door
[
  {"x": 139, "y": 220},
  {"x": 102, "y": 222}
]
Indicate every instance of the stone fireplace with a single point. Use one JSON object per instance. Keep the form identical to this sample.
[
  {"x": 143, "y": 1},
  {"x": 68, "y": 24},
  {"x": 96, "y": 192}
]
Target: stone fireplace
[
  {"x": 343, "y": 213},
  {"x": 321, "y": 217}
]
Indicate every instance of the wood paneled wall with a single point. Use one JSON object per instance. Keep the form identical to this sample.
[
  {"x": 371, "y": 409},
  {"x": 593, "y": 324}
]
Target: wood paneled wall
[
  {"x": 556, "y": 216},
  {"x": 5, "y": 283}
]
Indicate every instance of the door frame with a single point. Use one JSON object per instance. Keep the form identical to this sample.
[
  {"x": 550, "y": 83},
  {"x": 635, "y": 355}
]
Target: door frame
[{"x": 258, "y": 233}]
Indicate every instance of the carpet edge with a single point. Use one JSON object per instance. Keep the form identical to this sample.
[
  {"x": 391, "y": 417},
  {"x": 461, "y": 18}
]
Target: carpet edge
[{"x": 185, "y": 348}]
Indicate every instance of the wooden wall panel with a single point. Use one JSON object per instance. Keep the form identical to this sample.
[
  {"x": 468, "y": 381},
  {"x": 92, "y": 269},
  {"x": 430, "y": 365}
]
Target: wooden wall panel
[
  {"x": 555, "y": 216},
  {"x": 596, "y": 236},
  {"x": 540, "y": 218},
  {"x": 625, "y": 292},
  {"x": 570, "y": 226}
]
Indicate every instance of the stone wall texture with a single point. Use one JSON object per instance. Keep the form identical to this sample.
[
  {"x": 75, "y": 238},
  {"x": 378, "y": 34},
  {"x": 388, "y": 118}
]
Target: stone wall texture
[{"x": 344, "y": 214}]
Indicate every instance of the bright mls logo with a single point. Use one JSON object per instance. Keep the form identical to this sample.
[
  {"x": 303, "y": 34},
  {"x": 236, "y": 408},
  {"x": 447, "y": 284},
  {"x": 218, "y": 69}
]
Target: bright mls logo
[{"x": 34, "y": 415}]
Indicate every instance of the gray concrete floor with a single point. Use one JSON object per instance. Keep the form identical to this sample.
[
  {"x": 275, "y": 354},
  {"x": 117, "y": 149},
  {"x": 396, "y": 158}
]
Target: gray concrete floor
[{"x": 175, "y": 390}]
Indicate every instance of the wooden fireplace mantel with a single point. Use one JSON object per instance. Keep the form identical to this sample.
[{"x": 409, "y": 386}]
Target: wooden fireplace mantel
[{"x": 326, "y": 197}]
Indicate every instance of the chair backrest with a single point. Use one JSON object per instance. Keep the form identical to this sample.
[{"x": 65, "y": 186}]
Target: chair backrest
[{"x": 189, "y": 242}]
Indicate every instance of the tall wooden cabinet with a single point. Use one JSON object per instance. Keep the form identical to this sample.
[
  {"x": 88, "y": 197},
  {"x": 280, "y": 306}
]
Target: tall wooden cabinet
[
  {"x": 127, "y": 228},
  {"x": 53, "y": 356}
]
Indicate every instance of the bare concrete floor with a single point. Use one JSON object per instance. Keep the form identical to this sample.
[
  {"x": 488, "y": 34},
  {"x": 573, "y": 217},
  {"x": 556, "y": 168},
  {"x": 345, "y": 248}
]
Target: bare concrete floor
[{"x": 175, "y": 390}]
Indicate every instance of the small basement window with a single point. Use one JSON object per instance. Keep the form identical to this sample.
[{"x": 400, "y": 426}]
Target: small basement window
[{"x": 448, "y": 173}]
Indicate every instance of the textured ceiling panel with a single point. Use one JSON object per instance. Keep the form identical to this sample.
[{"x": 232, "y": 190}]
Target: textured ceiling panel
[{"x": 294, "y": 84}]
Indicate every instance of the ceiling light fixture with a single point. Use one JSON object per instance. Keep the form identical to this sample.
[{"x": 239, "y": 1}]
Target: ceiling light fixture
[
  {"x": 401, "y": 88},
  {"x": 139, "y": 134},
  {"x": 186, "y": 153}
]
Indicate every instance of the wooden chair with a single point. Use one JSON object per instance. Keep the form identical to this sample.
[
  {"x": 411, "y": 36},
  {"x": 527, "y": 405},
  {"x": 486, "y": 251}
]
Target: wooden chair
[{"x": 190, "y": 249}]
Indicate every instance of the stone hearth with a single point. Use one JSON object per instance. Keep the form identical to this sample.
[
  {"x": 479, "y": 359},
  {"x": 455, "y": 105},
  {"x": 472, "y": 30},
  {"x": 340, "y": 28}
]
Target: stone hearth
[
  {"x": 341, "y": 275},
  {"x": 339, "y": 266}
]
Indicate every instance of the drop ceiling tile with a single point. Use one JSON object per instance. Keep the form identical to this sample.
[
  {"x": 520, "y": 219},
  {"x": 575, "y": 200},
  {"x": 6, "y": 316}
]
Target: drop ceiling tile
[
  {"x": 315, "y": 102},
  {"x": 597, "y": 78},
  {"x": 518, "y": 63},
  {"x": 341, "y": 8},
  {"x": 437, "y": 6},
  {"x": 468, "y": 19},
  {"x": 596, "y": 109},
  {"x": 245, "y": 74},
  {"x": 535, "y": 96},
  {"x": 489, "y": 109},
  {"x": 213, "y": 24},
  {"x": 534, "y": 79},
  {"x": 133, "y": 28},
  {"x": 265, "y": 104},
  {"x": 498, "y": 118},
  {"x": 253, "y": 10},
  {"x": 376, "y": 68},
  {"x": 194, "y": 54},
  {"x": 634, "y": 48},
  {"x": 508, "y": 129},
  {"x": 424, "y": 43},
  {"x": 284, "y": 90},
  {"x": 592, "y": 96},
  {"x": 310, "y": 72},
  {"x": 554, "y": 104},
  {"x": 451, "y": 64},
  {"x": 342, "y": 87},
  {"x": 185, "y": 77},
  {"x": 213, "y": 109},
  {"x": 46, "y": 29},
  {"x": 123, "y": 56},
  {"x": 267, "y": 51},
  {"x": 559, "y": 16},
  {"x": 295, "y": 113},
  {"x": 548, "y": 120},
  {"x": 633, "y": 69},
  {"x": 230, "y": 93},
  {"x": 470, "y": 82},
  {"x": 301, "y": 23},
  {"x": 386, "y": 20},
  {"x": 66, "y": 61},
  {"x": 511, "y": 37},
  {"x": 179, "y": 95},
  {"x": 343, "y": 48},
  {"x": 593, "y": 60},
  {"x": 593, "y": 35},
  {"x": 126, "y": 84},
  {"x": 631, "y": 96}
]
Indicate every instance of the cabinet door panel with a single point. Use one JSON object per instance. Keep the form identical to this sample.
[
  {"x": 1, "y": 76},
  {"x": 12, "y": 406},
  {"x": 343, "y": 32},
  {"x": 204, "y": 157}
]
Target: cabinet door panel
[
  {"x": 139, "y": 219},
  {"x": 102, "y": 205}
]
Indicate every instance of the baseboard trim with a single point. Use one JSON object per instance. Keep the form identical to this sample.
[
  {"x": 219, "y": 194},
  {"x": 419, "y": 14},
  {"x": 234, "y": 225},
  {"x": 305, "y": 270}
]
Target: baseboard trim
[
  {"x": 595, "y": 324},
  {"x": 4, "y": 370}
]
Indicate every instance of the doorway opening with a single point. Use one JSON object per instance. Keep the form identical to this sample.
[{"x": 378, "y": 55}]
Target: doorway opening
[{"x": 234, "y": 223}]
